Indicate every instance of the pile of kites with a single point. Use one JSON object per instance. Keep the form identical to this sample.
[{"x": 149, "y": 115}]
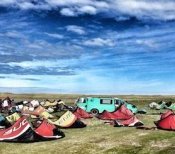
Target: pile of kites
[
  {"x": 121, "y": 117},
  {"x": 34, "y": 121},
  {"x": 162, "y": 105}
]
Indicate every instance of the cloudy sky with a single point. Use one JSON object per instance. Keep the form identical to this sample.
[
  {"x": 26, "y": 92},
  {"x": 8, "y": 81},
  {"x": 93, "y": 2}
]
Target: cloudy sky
[{"x": 87, "y": 46}]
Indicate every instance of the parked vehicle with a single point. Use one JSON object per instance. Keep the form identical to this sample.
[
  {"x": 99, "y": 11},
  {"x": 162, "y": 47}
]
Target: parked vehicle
[{"x": 98, "y": 105}]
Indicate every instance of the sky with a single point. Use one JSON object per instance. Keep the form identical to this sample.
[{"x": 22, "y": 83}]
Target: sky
[{"x": 87, "y": 46}]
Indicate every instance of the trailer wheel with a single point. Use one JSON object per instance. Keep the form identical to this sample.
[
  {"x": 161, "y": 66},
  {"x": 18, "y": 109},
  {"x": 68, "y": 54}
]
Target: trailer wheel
[{"x": 94, "y": 112}]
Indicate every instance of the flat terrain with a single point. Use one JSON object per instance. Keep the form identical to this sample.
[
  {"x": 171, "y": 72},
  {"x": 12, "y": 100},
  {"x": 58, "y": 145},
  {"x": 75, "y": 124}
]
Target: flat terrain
[{"x": 98, "y": 137}]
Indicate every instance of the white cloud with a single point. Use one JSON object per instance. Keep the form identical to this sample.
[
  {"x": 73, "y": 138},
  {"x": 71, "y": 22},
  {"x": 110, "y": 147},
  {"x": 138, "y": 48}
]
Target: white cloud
[
  {"x": 42, "y": 81},
  {"x": 26, "y": 5},
  {"x": 14, "y": 34},
  {"x": 148, "y": 43},
  {"x": 78, "y": 7},
  {"x": 35, "y": 64},
  {"x": 55, "y": 35},
  {"x": 6, "y": 82},
  {"x": 7, "y": 2},
  {"x": 91, "y": 82},
  {"x": 35, "y": 46},
  {"x": 67, "y": 12},
  {"x": 151, "y": 9},
  {"x": 99, "y": 42},
  {"x": 75, "y": 29},
  {"x": 146, "y": 9},
  {"x": 88, "y": 9}
]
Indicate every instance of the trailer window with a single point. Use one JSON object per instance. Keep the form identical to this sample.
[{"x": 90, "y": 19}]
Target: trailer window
[{"x": 106, "y": 101}]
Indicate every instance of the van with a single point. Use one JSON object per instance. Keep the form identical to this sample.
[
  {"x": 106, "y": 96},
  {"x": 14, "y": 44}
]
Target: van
[{"x": 96, "y": 105}]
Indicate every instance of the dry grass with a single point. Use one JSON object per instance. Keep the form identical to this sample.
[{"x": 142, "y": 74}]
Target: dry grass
[{"x": 98, "y": 137}]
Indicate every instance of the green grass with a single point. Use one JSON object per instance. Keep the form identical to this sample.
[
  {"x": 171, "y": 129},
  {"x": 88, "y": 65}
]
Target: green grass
[{"x": 98, "y": 137}]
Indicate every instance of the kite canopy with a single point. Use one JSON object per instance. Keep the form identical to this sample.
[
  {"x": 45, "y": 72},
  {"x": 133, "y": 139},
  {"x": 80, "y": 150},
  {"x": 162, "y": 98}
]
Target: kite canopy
[
  {"x": 2, "y": 121},
  {"x": 68, "y": 120},
  {"x": 167, "y": 121},
  {"x": 48, "y": 103},
  {"x": 166, "y": 114},
  {"x": 46, "y": 115},
  {"x": 170, "y": 105},
  {"x": 39, "y": 111},
  {"x": 157, "y": 106},
  {"x": 36, "y": 112},
  {"x": 105, "y": 115},
  {"x": 80, "y": 113},
  {"x": 48, "y": 130},
  {"x": 13, "y": 118},
  {"x": 22, "y": 131},
  {"x": 162, "y": 105},
  {"x": 122, "y": 117},
  {"x": 2, "y": 118},
  {"x": 131, "y": 122},
  {"x": 122, "y": 113}
]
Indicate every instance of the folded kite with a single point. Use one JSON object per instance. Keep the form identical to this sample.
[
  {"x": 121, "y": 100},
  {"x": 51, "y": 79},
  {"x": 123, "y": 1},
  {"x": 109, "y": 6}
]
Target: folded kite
[
  {"x": 167, "y": 121},
  {"x": 22, "y": 131},
  {"x": 80, "y": 113},
  {"x": 121, "y": 113},
  {"x": 68, "y": 120}
]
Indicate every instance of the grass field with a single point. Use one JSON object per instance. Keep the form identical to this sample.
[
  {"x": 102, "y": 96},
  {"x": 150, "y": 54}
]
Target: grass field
[{"x": 98, "y": 137}]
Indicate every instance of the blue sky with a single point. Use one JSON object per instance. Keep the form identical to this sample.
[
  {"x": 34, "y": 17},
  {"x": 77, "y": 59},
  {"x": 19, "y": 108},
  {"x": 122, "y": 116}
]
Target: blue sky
[{"x": 87, "y": 46}]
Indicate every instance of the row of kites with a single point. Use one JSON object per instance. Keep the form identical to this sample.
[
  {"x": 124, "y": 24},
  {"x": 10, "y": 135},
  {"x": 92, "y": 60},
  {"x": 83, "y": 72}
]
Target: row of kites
[
  {"x": 162, "y": 105},
  {"x": 37, "y": 124}
]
